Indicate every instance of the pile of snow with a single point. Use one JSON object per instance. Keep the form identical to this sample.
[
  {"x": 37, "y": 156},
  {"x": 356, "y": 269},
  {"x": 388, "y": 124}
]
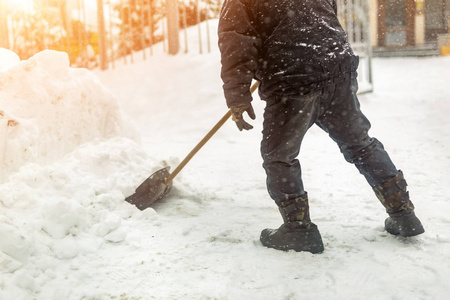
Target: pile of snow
[
  {"x": 8, "y": 59},
  {"x": 60, "y": 131},
  {"x": 47, "y": 109}
]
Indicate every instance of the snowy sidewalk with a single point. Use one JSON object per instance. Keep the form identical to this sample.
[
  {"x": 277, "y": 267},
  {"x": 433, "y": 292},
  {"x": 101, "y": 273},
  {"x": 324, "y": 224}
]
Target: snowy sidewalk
[{"x": 206, "y": 244}]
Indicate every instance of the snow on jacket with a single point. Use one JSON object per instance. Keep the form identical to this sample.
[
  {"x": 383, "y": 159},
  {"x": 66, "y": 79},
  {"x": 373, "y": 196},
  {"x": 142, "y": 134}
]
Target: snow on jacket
[{"x": 284, "y": 44}]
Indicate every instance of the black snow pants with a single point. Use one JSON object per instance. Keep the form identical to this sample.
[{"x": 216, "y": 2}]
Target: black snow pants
[{"x": 335, "y": 108}]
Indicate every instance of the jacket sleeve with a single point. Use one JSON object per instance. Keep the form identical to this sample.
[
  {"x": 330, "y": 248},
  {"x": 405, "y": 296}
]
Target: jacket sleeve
[{"x": 238, "y": 44}]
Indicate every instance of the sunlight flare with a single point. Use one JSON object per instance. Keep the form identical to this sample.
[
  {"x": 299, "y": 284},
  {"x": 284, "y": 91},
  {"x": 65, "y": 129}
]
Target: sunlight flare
[{"x": 23, "y": 5}]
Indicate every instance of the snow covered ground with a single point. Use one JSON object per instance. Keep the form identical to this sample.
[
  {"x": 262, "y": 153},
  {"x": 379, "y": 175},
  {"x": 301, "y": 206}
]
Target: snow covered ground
[{"x": 66, "y": 232}]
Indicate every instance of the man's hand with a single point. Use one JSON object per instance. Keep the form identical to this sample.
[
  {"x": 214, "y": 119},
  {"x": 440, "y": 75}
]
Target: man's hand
[{"x": 236, "y": 114}]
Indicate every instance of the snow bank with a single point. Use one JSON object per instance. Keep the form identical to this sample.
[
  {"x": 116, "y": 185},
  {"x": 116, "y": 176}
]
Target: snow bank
[
  {"x": 67, "y": 160},
  {"x": 7, "y": 59},
  {"x": 47, "y": 109},
  {"x": 51, "y": 215}
]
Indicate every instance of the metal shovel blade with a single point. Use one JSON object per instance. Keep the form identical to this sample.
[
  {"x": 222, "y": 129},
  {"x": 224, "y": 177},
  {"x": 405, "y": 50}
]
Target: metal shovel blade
[{"x": 151, "y": 190}]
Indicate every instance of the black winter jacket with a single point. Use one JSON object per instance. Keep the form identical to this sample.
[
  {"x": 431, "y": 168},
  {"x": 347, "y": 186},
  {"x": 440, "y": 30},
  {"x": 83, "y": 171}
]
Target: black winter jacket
[{"x": 284, "y": 44}]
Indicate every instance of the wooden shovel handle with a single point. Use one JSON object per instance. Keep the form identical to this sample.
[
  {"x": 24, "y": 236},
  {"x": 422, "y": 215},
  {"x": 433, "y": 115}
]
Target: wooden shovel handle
[{"x": 203, "y": 141}]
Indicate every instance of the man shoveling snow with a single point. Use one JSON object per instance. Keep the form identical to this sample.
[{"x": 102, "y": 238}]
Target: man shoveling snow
[{"x": 306, "y": 69}]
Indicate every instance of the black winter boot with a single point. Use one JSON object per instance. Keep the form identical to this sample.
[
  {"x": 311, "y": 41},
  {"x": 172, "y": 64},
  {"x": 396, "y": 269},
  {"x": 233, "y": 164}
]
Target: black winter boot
[
  {"x": 395, "y": 198},
  {"x": 297, "y": 232}
]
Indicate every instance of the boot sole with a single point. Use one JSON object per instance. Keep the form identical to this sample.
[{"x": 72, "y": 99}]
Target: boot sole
[
  {"x": 301, "y": 241},
  {"x": 405, "y": 226}
]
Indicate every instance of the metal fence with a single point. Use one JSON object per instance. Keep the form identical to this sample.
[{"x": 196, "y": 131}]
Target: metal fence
[
  {"x": 354, "y": 17},
  {"x": 82, "y": 27}
]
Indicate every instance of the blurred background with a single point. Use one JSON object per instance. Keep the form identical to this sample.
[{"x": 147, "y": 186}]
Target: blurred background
[
  {"x": 96, "y": 33},
  {"x": 82, "y": 27}
]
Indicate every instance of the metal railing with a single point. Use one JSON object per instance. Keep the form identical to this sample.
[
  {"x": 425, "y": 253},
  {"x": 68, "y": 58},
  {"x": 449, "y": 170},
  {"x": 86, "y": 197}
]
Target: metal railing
[
  {"x": 78, "y": 28},
  {"x": 354, "y": 17}
]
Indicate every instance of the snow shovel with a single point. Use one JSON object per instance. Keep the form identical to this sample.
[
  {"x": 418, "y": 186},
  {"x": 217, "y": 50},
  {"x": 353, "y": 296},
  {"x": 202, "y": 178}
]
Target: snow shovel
[{"x": 159, "y": 184}]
